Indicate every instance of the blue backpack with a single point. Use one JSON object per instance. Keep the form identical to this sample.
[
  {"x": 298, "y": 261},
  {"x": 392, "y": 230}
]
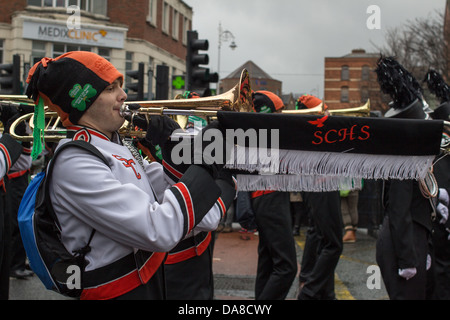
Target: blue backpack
[{"x": 41, "y": 232}]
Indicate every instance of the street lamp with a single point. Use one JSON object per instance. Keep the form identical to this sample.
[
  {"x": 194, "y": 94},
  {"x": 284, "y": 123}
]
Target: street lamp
[{"x": 224, "y": 35}]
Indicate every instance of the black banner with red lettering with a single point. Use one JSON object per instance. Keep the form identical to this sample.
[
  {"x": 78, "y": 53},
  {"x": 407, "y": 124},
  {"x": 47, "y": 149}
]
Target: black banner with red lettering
[
  {"x": 324, "y": 153},
  {"x": 362, "y": 135}
]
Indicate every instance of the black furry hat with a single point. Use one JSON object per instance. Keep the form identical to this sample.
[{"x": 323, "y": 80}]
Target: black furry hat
[
  {"x": 396, "y": 81},
  {"x": 402, "y": 87}
]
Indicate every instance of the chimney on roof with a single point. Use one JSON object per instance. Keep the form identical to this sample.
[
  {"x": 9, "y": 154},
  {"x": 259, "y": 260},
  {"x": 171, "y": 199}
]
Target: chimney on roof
[{"x": 358, "y": 51}]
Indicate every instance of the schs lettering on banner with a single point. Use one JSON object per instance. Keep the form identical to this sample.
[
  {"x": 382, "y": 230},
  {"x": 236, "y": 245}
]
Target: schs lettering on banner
[{"x": 340, "y": 135}]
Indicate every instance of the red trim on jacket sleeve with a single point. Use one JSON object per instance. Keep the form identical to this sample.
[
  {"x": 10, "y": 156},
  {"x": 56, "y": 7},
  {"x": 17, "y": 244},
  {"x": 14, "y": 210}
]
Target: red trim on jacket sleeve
[
  {"x": 189, "y": 252},
  {"x": 7, "y": 156},
  {"x": 187, "y": 203}
]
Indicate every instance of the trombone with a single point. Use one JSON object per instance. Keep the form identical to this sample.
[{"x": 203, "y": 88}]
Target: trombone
[{"x": 239, "y": 99}]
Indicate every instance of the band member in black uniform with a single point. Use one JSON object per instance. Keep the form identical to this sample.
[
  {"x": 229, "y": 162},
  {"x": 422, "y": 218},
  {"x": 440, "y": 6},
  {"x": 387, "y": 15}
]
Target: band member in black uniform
[
  {"x": 323, "y": 245},
  {"x": 441, "y": 170},
  {"x": 403, "y": 251},
  {"x": 277, "y": 260}
]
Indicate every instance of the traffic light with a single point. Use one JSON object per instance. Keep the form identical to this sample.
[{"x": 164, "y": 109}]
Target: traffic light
[
  {"x": 10, "y": 76},
  {"x": 198, "y": 78},
  {"x": 135, "y": 89},
  {"x": 162, "y": 82}
]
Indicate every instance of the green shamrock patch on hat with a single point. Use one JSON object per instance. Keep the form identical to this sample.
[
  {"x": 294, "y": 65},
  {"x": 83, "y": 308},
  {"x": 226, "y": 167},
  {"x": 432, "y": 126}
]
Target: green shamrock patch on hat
[{"x": 81, "y": 95}]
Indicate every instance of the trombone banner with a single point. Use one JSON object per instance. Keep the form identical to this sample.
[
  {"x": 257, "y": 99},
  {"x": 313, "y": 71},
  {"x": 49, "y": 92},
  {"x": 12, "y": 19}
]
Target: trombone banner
[{"x": 324, "y": 153}]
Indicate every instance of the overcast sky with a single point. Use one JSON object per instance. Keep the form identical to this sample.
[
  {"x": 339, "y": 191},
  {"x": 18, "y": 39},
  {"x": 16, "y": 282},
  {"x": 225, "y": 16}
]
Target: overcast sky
[{"x": 289, "y": 39}]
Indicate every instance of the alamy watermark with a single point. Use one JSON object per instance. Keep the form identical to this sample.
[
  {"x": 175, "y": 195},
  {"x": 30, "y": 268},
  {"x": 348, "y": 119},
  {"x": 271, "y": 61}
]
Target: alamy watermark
[
  {"x": 373, "y": 22},
  {"x": 74, "y": 21},
  {"x": 256, "y": 147},
  {"x": 374, "y": 279}
]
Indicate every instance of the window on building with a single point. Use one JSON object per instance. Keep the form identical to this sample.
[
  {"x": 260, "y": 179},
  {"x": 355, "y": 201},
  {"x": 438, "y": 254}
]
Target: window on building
[
  {"x": 1, "y": 51},
  {"x": 166, "y": 18},
  {"x": 151, "y": 64},
  {"x": 344, "y": 94},
  {"x": 98, "y": 7},
  {"x": 152, "y": 13},
  {"x": 37, "y": 3},
  {"x": 345, "y": 73},
  {"x": 59, "y": 49},
  {"x": 128, "y": 65},
  {"x": 185, "y": 29},
  {"x": 93, "y": 6},
  {"x": 105, "y": 53},
  {"x": 364, "y": 94},
  {"x": 175, "y": 24},
  {"x": 365, "y": 73},
  {"x": 37, "y": 51}
]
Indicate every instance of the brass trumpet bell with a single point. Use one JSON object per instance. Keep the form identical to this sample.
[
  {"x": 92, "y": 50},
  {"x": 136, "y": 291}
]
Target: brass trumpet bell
[{"x": 362, "y": 111}]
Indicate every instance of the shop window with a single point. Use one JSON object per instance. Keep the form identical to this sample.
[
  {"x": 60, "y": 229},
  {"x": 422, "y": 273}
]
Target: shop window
[
  {"x": 59, "y": 49},
  {"x": 37, "y": 51}
]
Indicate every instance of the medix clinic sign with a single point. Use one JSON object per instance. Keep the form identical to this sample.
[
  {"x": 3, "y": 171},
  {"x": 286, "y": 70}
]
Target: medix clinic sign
[{"x": 91, "y": 35}]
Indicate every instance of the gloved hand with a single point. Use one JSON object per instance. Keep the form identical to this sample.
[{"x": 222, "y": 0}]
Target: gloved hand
[
  {"x": 442, "y": 207},
  {"x": 228, "y": 186},
  {"x": 407, "y": 273},
  {"x": 443, "y": 212},
  {"x": 159, "y": 128},
  {"x": 7, "y": 112},
  {"x": 211, "y": 155},
  {"x": 443, "y": 196},
  {"x": 21, "y": 128}
]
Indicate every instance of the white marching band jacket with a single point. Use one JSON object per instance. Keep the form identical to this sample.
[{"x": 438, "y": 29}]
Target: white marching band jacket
[{"x": 135, "y": 208}]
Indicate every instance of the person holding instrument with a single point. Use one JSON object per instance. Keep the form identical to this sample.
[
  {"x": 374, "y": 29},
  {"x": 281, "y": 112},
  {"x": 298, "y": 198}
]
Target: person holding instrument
[{"x": 137, "y": 214}]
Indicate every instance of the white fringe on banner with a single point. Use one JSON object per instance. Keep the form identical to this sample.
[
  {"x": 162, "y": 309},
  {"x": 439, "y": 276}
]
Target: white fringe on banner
[
  {"x": 291, "y": 183},
  {"x": 312, "y": 163}
]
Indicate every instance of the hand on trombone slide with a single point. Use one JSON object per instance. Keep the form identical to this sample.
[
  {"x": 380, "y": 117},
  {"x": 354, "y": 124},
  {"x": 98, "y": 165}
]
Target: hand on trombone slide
[{"x": 158, "y": 127}]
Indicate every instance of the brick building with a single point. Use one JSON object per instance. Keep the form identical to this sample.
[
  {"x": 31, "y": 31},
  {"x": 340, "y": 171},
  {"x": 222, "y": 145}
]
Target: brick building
[
  {"x": 350, "y": 81},
  {"x": 259, "y": 80},
  {"x": 124, "y": 32}
]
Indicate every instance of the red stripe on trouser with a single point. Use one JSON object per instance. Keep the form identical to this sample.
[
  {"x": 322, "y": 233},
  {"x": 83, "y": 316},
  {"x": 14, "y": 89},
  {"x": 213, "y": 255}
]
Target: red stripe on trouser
[
  {"x": 188, "y": 203},
  {"x": 127, "y": 282},
  {"x": 190, "y": 252}
]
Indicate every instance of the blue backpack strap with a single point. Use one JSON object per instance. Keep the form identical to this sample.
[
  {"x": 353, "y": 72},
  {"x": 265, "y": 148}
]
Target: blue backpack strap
[{"x": 83, "y": 145}]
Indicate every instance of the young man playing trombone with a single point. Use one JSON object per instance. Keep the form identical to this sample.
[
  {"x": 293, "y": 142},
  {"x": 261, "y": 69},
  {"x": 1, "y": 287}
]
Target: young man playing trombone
[{"x": 138, "y": 216}]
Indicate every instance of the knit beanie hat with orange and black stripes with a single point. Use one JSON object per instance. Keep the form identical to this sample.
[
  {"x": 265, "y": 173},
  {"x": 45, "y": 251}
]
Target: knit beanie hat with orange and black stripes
[{"x": 70, "y": 83}]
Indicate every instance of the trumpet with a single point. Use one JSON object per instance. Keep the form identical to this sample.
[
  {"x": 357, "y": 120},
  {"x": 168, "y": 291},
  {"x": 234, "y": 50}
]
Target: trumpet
[
  {"x": 362, "y": 111},
  {"x": 238, "y": 99}
]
